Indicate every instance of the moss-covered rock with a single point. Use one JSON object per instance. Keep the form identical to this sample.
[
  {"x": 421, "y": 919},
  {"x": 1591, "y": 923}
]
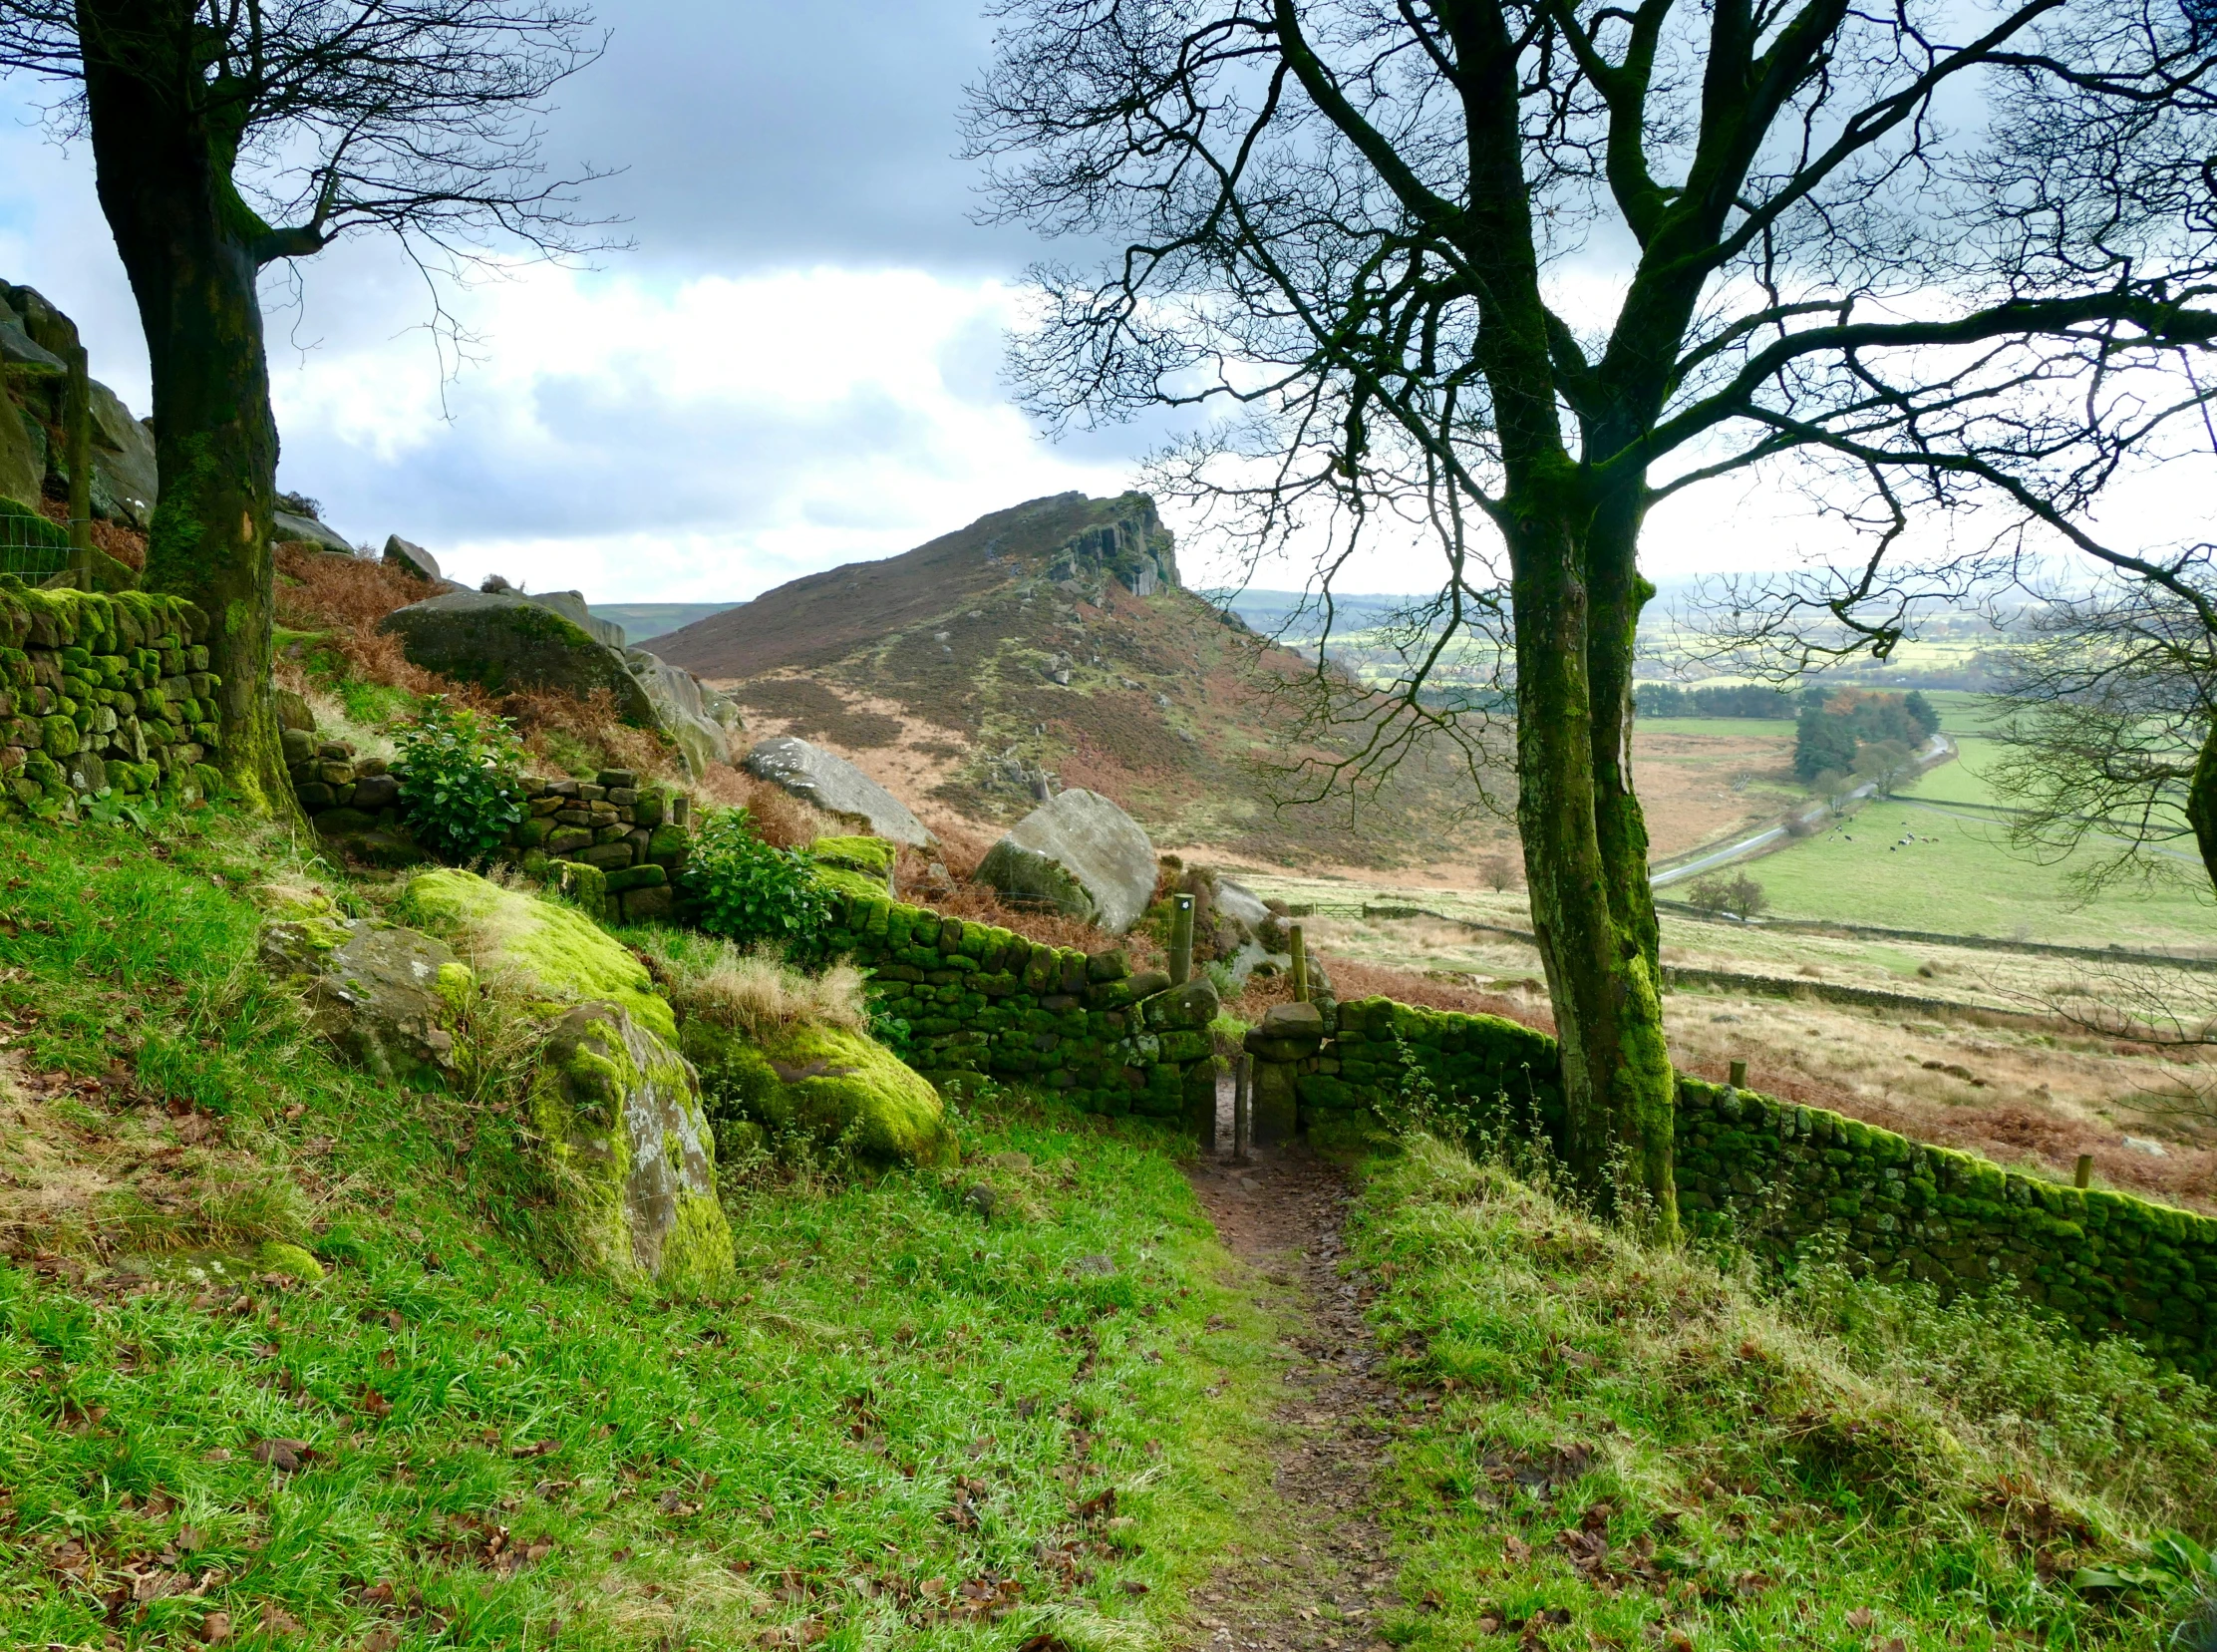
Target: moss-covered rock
[
  {"x": 618, "y": 1108},
  {"x": 386, "y": 995},
  {"x": 552, "y": 950},
  {"x": 290, "y": 1260},
  {"x": 620, "y": 1111},
  {"x": 836, "y": 1084},
  {"x": 871, "y": 857}
]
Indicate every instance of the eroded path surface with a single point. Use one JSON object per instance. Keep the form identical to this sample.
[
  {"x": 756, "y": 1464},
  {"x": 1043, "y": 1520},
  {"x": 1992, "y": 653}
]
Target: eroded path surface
[{"x": 1325, "y": 1580}]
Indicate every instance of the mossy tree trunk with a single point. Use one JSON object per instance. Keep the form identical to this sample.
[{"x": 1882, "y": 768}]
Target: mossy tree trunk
[{"x": 163, "y": 167}]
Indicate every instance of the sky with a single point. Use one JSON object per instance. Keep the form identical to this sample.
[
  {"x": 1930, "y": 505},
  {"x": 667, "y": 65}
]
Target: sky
[{"x": 797, "y": 364}]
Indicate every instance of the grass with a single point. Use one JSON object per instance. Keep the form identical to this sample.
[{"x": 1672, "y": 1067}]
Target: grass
[
  {"x": 1960, "y": 877},
  {"x": 1628, "y": 1449},
  {"x": 905, "y": 1423}
]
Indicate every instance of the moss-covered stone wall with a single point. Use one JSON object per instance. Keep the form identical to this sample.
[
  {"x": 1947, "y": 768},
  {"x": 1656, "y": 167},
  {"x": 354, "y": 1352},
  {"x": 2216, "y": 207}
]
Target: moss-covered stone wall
[
  {"x": 103, "y": 690},
  {"x": 1780, "y": 1174},
  {"x": 980, "y": 999}
]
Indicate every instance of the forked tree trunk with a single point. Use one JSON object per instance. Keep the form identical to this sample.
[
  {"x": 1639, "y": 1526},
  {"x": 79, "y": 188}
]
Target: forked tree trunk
[
  {"x": 1577, "y": 595},
  {"x": 186, "y": 239},
  {"x": 2201, "y": 803}
]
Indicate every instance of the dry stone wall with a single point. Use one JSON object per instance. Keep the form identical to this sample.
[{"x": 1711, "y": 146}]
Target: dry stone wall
[
  {"x": 1779, "y": 1175},
  {"x": 614, "y": 846},
  {"x": 982, "y": 999},
  {"x": 102, "y": 691}
]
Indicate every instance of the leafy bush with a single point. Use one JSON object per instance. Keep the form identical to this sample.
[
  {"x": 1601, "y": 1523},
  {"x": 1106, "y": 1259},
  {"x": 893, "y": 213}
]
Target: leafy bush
[
  {"x": 753, "y": 893},
  {"x": 1740, "y": 896},
  {"x": 461, "y": 779}
]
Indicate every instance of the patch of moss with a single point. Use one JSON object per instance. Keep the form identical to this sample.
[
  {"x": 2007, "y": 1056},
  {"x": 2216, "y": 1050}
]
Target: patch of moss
[
  {"x": 568, "y": 957},
  {"x": 872, "y": 856},
  {"x": 838, "y": 1085},
  {"x": 288, "y": 1260}
]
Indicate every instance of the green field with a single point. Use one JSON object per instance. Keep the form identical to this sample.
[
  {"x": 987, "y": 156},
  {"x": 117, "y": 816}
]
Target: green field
[
  {"x": 1965, "y": 780},
  {"x": 1961, "y": 877},
  {"x": 1725, "y": 728}
]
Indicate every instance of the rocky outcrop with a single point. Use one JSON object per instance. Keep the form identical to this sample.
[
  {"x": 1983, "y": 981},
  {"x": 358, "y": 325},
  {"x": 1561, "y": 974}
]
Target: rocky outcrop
[
  {"x": 125, "y": 480},
  {"x": 291, "y": 527},
  {"x": 501, "y": 641},
  {"x": 837, "y": 1087},
  {"x": 837, "y": 788},
  {"x": 617, "y": 1106},
  {"x": 411, "y": 559},
  {"x": 37, "y": 342},
  {"x": 504, "y": 639},
  {"x": 698, "y": 719},
  {"x": 386, "y": 995},
  {"x": 1082, "y": 856}
]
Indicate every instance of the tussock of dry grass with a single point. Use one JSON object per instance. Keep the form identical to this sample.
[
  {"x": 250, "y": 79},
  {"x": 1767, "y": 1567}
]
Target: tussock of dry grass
[{"x": 755, "y": 992}]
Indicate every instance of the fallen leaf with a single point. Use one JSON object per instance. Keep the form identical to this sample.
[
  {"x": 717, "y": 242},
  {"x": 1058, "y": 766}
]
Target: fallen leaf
[
  {"x": 286, "y": 1456},
  {"x": 277, "y": 1621},
  {"x": 384, "y": 1638},
  {"x": 215, "y": 1627},
  {"x": 1861, "y": 1618}
]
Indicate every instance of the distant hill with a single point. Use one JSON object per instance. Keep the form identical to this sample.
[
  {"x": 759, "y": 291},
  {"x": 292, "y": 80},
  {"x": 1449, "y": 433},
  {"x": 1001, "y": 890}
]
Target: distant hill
[
  {"x": 642, "y": 620},
  {"x": 1054, "y": 637}
]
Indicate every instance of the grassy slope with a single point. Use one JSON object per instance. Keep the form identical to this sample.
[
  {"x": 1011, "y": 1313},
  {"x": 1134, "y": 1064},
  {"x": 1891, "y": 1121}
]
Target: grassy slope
[
  {"x": 1627, "y": 1441},
  {"x": 883, "y": 1432}
]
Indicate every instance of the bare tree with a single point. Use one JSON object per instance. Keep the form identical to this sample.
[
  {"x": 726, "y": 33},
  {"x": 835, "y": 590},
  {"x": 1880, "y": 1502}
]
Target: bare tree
[
  {"x": 228, "y": 135},
  {"x": 2108, "y": 721},
  {"x": 1356, "y": 239}
]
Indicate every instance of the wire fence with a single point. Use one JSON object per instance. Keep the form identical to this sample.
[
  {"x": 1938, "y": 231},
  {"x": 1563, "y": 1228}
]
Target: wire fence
[{"x": 31, "y": 547}]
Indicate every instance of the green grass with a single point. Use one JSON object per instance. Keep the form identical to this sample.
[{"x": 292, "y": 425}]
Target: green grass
[
  {"x": 1967, "y": 880},
  {"x": 1628, "y": 1440},
  {"x": 900, "y": 1426}
]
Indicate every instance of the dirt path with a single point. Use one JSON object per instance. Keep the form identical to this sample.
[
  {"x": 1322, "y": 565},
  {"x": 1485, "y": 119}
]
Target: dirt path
[{"x": 1327, "y": 1580}]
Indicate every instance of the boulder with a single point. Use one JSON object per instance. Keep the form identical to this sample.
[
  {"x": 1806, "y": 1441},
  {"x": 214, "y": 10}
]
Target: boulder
[
  {"x": 386, "y": 995},
  {"x": 412, "y": 558},
  {"x": 615, "y": 1104},
  {"x": 571, "y": 606},
  {"x": 837, "y": 788},
  {"x": 692, "y": 714},
  {"x": 1080, "y": 854},
  {"x": 125, "y": 480},
  {"x": 287, "y": 527},
  {"x": 834, "y": 1084},
  {"x": 22, "y": 456},
  {"x": 500, "y": 641},
  {"x": 21, "y": 354}
]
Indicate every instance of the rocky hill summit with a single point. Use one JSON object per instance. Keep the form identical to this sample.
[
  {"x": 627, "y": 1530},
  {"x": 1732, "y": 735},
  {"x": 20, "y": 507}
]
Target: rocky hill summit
[{"x": 1049, "y": 646}]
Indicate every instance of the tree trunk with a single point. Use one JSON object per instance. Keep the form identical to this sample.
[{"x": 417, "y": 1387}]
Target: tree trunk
[
  {"x": 2201, "y": 803},
  {"x": 1577, "y": 597},
  {"x": 165, "y": 182}
]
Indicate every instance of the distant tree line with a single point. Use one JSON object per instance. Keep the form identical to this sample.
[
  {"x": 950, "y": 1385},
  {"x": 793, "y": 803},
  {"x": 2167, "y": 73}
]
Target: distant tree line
[
  {"x": 1738, "y": 700},
  {"x": 1848, "y": 730}
]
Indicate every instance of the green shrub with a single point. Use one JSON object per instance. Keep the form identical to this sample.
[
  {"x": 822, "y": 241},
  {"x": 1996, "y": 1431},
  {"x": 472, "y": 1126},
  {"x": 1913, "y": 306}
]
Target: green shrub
[
  {"x": 461, "y": 781},
  {"x": 754, "y": 894}
]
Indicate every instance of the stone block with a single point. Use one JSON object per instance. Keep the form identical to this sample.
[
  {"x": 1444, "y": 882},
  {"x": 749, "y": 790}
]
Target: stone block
[
  {"x": 648, "y": 906},
  {"x": 607, "y": 856}
]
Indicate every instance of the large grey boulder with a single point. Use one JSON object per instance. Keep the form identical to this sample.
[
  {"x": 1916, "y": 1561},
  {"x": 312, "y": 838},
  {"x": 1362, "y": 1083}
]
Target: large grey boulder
[
  {"x": 503, "y": 642},
  {"x": 837, "y": 787},
  {"x": 386, "y": 995},
  {"x": 286, "y": 527},
  {"x": 20, "y": 353},
  {"x": 1080, "y": 854},
  {"x": 411, "y": 559},
  {"x": 690, "y": 713}
]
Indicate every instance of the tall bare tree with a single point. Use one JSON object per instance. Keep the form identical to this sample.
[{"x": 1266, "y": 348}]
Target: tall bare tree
[
  {"x": 230, "y": 135},
  {"x": 1507, "y": 274}
]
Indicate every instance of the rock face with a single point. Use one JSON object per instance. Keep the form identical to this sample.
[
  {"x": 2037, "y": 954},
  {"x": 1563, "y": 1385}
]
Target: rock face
[
  {"x": 36, "y": 342},
  {"x": 501, "y": 641},
  {"x": 617, "y": 1107},
  {"x": 571, "y": 606},
  {"x": 840, "y": 789},
  {"x": 837, "y": 1086},
  {"x": 126, "y": 483},
  {"x": 22, "y": 456},
  {"x": 386, "y": 995},
  {"x": 412, "y": 558},
  {"x": 1080, "y": 854}
]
